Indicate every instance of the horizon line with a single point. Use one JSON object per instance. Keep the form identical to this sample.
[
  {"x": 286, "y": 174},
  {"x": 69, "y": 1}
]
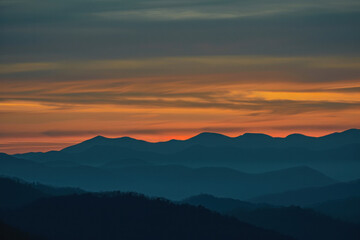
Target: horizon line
[
  {"x": 216, "y": 133},
  {"x": 173, "y": 139}
]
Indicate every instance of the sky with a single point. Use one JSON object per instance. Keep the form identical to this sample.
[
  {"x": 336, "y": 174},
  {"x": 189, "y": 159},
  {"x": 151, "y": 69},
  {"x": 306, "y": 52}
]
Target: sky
[{"x": 170, "y": 69}]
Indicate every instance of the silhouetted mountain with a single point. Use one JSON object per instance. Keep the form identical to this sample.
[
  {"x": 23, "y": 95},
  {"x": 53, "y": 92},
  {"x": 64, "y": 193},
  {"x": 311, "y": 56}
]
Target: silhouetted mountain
[
  {"x": 15, "y": 193},
  {"x": 247, "y": 140},
  {"x": 209, "y": 139},
  {"x": 8, "y": 160},
  {"x": 123, "y": 142},
  {"x": 21, "y": 168},
  {"x": 312, "y": 195},
  {"x": 97, "y": 155},
  {"x": 302, "y": 224},
  {"x": 253, "y": 140},
  {"x": 344, "y": 209},
  {"x": 348, "y": 136},
  {"x": 80, "y": 176},
  {"x": 127, "y": 216},
  {"x": 337, "y": 155},
  {"x": 171, "y": 181}
]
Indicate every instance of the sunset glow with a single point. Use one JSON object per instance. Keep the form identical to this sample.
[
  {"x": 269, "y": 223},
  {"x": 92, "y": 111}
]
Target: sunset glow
[{"x": 164, "y": 72}]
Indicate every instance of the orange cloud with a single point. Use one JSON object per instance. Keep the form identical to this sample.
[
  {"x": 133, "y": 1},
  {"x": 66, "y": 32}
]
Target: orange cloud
[{"x": 230, "y": 95}]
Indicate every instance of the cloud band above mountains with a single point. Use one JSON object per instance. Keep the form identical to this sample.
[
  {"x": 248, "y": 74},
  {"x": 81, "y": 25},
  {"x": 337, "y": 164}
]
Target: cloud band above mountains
[{"x": 136, "y": 67}]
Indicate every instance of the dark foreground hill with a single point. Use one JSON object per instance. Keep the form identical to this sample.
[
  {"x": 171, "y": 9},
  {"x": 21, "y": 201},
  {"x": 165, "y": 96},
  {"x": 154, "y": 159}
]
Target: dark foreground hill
[
  {"x": 222, "y": 205},
  {"x": 344, "y": 209},
  {"x": 15, "y": 193},
  {"x": 127, "y": 216},
  {"x": 302, "y": 224}
]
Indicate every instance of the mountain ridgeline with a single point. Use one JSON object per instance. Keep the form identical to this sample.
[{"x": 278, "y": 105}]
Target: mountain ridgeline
[
  {"x": 169, "y": 181},
  {"x": 243, "y": 167},
  {"x": 336, "y": 155},
  {"x": 247, "y": 140}
]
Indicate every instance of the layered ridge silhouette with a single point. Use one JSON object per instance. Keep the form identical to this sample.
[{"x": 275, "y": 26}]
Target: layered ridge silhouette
[
  {"x": 73, "y": 214},
  {"x": 300, "y": 223},
  {"x": 254, "y": 182},
  {"x": 170, "y": 181},
  {"x": 116, "y": 215},
  {"x": 314, "y": 195},
  {"x": 336, "y": 155}
]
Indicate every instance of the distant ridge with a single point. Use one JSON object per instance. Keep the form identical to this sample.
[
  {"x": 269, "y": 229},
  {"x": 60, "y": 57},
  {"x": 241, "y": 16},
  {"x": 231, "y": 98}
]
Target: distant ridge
[
  {"x": 337, "y": 154},
  {"x": 253, "y": 140}
]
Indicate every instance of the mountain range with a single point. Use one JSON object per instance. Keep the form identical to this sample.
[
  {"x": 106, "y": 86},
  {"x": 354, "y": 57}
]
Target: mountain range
[
  {"x": 244, "y": 167},
  {"x": 170, "y": 181},
  {"x": 336, "y": 155},
  {"x": 247, "y": 140},
  {"x": 115, "y": 215},
  {"x": 46, "y": 212}
]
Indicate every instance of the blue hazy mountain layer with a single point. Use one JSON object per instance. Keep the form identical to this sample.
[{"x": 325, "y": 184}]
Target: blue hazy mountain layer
[
  {"x": 313, "y": 195},
  {"x": 170, "y": 181},
  {"x": 336, "y": 155}
]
